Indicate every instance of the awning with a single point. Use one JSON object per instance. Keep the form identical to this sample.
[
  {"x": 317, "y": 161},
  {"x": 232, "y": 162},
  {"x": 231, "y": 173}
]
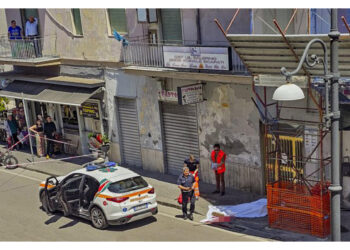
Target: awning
[
  {"x": 48, "y": 93},
  {"x": 266, "y": 54}
]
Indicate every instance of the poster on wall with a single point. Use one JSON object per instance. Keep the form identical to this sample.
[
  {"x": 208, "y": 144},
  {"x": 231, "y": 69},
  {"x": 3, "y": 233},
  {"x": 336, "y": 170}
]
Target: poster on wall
[
  {"x": 190, "y": 94},
  {"x": 89, "y": 110},
  {"x": 208, "y": 58},
  {"x": 167, "y": 96}
]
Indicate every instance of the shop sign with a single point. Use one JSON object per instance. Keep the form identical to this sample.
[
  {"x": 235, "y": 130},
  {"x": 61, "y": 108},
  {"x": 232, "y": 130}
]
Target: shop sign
[
  {"x": 209, "y": 58},
  {"x": 90, "y": 110},
  {"x": 167, "y": 96},
  {"x": 190, "y": 94}
]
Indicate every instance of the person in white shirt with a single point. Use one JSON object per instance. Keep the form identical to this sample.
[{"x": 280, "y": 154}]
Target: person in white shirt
[{"x": 31, "y": 33}]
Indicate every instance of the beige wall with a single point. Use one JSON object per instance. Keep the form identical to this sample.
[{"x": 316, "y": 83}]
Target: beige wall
[{"x": 56, "y": 25}]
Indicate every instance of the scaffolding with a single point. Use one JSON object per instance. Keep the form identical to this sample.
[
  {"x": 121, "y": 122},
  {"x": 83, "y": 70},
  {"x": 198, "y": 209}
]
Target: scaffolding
[{"x": 296, "y": 169}]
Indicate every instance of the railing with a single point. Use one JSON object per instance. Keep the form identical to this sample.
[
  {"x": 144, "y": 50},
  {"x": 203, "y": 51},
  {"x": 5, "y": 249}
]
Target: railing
[
  {"x": 151, "y": 55},
  {"x": 28, "y": 48},
  {"x": 143, "y": 54}
]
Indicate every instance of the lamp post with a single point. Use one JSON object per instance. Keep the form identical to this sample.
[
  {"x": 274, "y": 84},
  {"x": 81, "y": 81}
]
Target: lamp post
[{"x": 284, "y": 92}]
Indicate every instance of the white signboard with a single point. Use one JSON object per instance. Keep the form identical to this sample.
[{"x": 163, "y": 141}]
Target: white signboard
[
  {"x": 167, "y": 96},
  {"x": 190, "y": 94},
  {"x": 310, "y": 142},
  {"x": 209, "y": 58}
]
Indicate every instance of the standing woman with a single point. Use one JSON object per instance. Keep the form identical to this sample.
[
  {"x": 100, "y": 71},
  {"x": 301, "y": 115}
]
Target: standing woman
[{"x": 38, "y": 129}]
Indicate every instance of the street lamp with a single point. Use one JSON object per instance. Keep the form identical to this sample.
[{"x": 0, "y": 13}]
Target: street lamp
[{"x": 333, "y": 116}]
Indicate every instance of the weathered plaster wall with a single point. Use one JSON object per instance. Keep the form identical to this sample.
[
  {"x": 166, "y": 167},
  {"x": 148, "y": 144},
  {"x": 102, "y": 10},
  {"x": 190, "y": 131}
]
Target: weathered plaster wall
[
  {"x": 229, "y": 117},
  {"x": 145, "y": 91},
  {"x": 95, "y": 44}
]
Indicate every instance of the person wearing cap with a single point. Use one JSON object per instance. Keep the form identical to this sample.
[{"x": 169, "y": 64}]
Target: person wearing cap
[{"x": 186, "y": 184}]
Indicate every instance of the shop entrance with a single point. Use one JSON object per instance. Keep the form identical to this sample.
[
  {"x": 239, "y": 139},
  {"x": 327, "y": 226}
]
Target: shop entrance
[
  {"x": 180, "y": 133},
  {"x": 130, "y": 147}
]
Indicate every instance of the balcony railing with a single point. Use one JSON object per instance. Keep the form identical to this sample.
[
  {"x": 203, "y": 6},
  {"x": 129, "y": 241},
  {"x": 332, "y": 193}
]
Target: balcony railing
[
  {"x": 28, "y": 48},
  {"x": 151, "y": 55}
]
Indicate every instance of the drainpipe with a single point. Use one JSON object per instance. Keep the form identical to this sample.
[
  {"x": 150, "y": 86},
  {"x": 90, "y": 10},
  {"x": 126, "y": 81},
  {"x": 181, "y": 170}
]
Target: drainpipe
[{"x": 199, "y": 35}]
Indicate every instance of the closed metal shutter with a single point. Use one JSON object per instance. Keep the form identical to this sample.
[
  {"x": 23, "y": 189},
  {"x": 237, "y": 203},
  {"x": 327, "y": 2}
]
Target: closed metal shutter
[
  {"x": 180, "y": 135},
  {"x": 129, "y": 133},
  {"x": 171, "y": 25}
]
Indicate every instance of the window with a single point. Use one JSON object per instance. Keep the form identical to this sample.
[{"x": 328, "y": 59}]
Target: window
[
  {"x": 171, "y": 25},
  {"x": 147, "y": 15},
  {"x": 117, "y": 20},
  {"x": 69, "y": 117},
  {"x": 77, "y": 21},
  {"x": 128, "y": 185},
  {"x": 26, "y": 13}
]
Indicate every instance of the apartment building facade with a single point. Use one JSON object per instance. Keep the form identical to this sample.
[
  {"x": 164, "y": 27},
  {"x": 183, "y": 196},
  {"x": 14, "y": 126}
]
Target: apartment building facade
[{"x": 135, "y": 86}]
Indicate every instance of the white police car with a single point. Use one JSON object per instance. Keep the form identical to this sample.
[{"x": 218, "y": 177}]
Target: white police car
[{"x": 104, "y": 193}]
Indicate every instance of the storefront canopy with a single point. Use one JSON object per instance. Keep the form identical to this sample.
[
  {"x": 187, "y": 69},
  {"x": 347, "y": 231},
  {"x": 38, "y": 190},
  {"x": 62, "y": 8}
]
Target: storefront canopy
[
  {"x": 266, "y": 54},
  {"x": 48, "y": 93}
]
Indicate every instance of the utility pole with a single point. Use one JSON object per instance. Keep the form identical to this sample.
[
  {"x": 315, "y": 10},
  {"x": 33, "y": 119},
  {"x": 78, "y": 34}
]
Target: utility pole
[{"x": 335, "y": 187}]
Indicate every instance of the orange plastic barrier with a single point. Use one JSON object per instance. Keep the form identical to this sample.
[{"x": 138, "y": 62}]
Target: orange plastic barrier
[{"x": 295, "y": 208}]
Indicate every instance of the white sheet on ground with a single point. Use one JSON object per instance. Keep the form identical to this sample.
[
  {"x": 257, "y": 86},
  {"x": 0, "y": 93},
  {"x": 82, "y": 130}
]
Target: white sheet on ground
[{"x": 246, "y": 210}]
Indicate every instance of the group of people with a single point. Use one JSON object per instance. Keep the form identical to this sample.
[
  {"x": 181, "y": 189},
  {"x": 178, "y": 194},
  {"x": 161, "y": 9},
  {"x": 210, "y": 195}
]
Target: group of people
[
  {"x": 188, "y": 180},
  {"x": 43, "y": 132},
  {"x": 31, "y": 34}
]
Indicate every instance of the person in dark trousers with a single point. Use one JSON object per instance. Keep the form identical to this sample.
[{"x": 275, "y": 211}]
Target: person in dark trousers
[
  {"x": 12, "y": 128},
  {"x": 193, "y": 165},
  {"x": 49, "y": 131},
  {"x": 218, "y": 158},
  {"x": 186, "y": 183}
]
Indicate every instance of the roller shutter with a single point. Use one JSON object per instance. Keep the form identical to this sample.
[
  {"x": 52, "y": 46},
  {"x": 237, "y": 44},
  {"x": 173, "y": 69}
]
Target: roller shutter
[
  {"x": 180, "y": 135},
  {"x": 130, "y": 147}
]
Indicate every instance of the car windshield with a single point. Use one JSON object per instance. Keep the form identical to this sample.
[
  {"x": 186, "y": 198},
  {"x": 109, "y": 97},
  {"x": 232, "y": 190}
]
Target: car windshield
[{"x": 128, "y": 185}]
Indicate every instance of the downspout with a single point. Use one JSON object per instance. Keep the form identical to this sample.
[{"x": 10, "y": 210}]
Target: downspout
[{"x": 199, "y": 34}]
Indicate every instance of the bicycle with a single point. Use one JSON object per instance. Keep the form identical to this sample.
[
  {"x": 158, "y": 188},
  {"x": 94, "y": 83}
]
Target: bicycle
[{"x": 8, "y": 160}]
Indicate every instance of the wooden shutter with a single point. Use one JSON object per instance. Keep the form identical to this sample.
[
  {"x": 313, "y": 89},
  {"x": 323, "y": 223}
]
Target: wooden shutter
[
  {"x": 117, "y": 20},
  {"x": 77, "y": 21},
  {"x": 171, "y": 25}
]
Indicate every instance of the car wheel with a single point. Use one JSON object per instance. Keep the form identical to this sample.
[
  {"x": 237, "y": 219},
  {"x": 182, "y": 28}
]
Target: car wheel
[
  {"x": 98, "y": 219},
  {"x": 45, "y": 203}
]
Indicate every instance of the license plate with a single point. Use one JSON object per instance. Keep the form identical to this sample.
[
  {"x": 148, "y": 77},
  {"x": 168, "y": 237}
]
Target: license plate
[{"x": 143, "y": 206}]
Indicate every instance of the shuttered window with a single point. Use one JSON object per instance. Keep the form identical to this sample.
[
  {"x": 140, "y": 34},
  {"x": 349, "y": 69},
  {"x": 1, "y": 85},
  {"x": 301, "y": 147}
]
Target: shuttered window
[
  {"x": 77, "y": 21},
  {"x": 117, "y": 20},
  {"x": 171, "y": 25}
]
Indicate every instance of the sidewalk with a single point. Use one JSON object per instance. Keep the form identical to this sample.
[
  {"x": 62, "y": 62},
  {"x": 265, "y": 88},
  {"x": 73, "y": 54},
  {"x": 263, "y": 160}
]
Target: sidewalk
[{"x": 167, "y": 193}]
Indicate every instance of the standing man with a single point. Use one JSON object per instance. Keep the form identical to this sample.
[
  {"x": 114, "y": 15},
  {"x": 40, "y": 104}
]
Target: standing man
[
  {"x": 14, "y": 34},
  {"x": 186, "y": 184},
  {"x": 32, "y": 34},
  {"x": 218, "y": 158},
  {"x": 193, "y": 165},
  {"x": 49, "y": 131}
]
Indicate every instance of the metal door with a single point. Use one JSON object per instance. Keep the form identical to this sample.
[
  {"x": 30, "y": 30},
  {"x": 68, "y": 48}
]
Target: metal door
[
  {"x": 130, "y": 147},
  {"x": 180, "y": 134}
]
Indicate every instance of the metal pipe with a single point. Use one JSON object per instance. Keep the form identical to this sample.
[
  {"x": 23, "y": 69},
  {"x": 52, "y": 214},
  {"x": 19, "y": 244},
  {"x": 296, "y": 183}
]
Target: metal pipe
[
  {"x": 290, "y": 21},
  {"x": 232, "y": 20},
  {"x": 346, "y": 23},
  {"x": 335, "y": 187}
]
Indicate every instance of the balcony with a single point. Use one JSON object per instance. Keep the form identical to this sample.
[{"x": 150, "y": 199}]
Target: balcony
[
  {"x": 29, "y": 52},
  {"x": 145, "y": 55}
]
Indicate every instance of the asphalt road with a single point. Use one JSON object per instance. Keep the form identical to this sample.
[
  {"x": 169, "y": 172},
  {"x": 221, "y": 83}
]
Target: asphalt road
[{"x": 22, "y": 219}]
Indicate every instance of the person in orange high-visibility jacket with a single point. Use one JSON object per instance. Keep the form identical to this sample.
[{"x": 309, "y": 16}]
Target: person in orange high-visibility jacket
[{"x": 218, "y": 158}]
